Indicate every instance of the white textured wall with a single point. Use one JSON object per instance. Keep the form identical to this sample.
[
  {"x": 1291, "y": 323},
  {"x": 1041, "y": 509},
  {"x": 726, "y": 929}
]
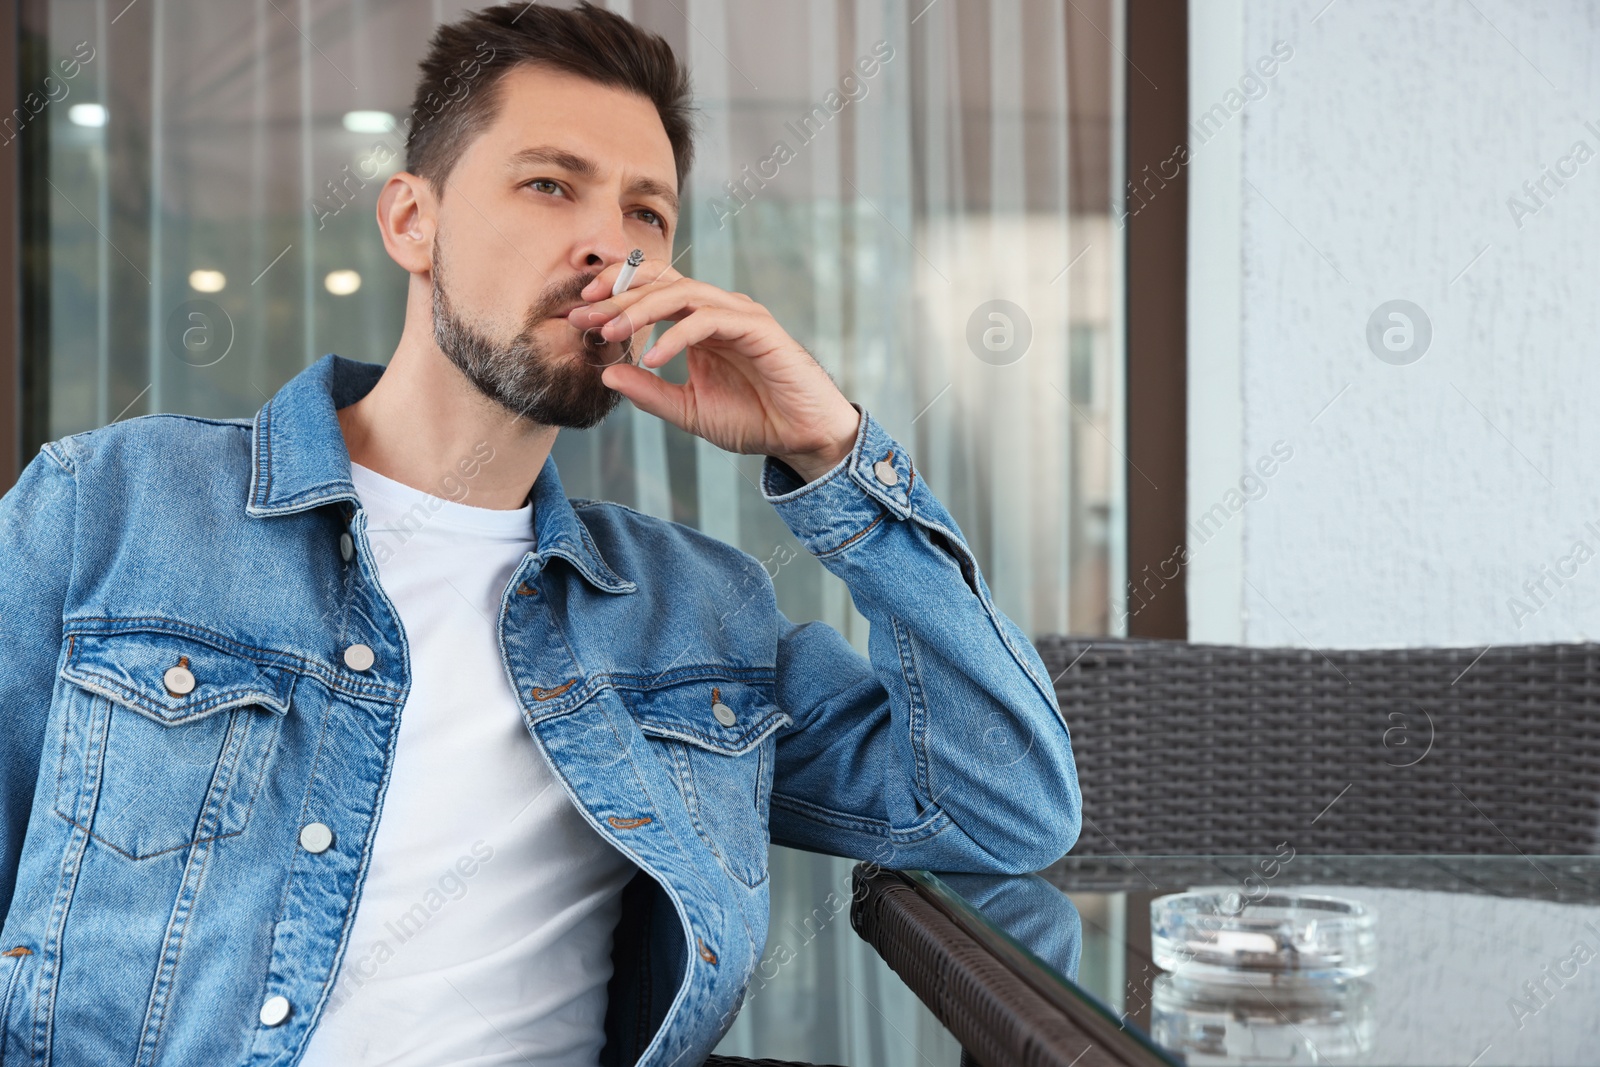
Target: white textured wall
[{"x": 1378, "y": 166}]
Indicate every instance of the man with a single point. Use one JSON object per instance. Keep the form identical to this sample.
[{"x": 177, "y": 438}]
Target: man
[{"x": 341, "y": 735}]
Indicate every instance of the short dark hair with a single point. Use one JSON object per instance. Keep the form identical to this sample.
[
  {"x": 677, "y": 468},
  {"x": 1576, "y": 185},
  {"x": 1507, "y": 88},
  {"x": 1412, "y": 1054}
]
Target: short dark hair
[{"x": 458, "y": 95}]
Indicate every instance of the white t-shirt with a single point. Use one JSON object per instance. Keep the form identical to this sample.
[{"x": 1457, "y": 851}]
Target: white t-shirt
[{"x": 483, "y": 933}]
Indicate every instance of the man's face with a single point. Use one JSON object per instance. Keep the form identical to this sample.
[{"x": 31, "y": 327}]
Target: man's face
[{"x": 524, "y": 230}]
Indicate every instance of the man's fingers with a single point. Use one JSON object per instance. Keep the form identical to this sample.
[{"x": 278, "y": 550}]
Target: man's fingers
[
  {"x": 672, "y": 298},
  {"x": 649, "y": 393},
  {"x": 647, "y": 273},
  {"x": 724, "y": 324}
]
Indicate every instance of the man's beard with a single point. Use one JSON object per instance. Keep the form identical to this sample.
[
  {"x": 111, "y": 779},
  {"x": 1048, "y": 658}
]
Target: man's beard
[{"x": 523, "y": 375}]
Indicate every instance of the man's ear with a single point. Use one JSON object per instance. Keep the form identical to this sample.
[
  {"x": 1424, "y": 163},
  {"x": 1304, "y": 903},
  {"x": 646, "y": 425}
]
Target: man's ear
[{"x": 407, "y": 218}]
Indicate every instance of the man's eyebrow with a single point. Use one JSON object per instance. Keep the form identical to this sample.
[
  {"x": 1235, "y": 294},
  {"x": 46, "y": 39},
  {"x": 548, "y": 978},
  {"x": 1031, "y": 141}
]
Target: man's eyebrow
[{"x": 586, "y": 169}]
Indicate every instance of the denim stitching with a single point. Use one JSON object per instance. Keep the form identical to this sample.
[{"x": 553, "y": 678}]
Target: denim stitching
[
  {"x": 172, "y": 949},
  {"x": 917, "y": 726},
  {"x": 50, "y": 959},
  {"x": 60, "y": 460},
  {"x": 767, "y": 726},
  {"x": 149, "y": 855},
  {"x": 690, "y": 870},
  {"x": 136, "y": 699},
  {"x": 692, "y": 673},
  {"x": 929, "y": 827},
  {"x": 214, "y": 799},
  {"x": 263, "y": 455},
  {"x": 19, "y": 954},
  {"x": 61, "y": 758},
  {"x": 342, "y": 945},
  {"x": 225, "y": 772},
  {"x": 274, "y": 727},
  {"x": 83, "y": 792},
  {"x": 838, "y": 472},
  {"x": 766, "y": 771},
  {"x": 852, "y": 538},
  {"x": 683, "y": 767},
  {"x": 228, "y": 646}
]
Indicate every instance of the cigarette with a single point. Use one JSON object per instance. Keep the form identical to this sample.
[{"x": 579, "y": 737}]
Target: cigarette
[
  {"x": 620, "y": 286},
  {"x": 625, "y": 276}
]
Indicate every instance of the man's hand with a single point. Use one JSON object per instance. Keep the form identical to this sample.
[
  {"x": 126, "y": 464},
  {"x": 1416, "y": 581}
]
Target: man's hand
[{"x": 752, "y": 388}]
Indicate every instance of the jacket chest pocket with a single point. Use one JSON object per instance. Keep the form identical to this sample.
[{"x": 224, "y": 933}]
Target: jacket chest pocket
[
  {"x": 164, "y": 739},
  {"x": 719, "y": 740}
]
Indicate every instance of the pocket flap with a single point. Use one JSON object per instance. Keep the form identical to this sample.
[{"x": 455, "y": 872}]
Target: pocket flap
[
  {"x": 687, "y": 711},
  {"x": 133, "y": 670}
]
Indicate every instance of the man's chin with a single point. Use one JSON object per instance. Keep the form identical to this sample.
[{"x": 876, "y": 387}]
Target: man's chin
[
  {"x": 581, "y": 401},
  {"x": 588, "y": 418}
]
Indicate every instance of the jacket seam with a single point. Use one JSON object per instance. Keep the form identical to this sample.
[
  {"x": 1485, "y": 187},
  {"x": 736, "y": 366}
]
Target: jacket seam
[
  {"x": 262, "y": 435},
  {"x": 60, "y": 457},
  {"x": 149, "y": 855},
  {"x": 42, "y": 1037},
  {"x": 272, "y": 657},
  {"x": 342, "y": 947},
  {"x": 846, "y": 821},
  {"x": 841, "y": 471},
  {"x": 685, "y": 675},
  {"x": 167, "y": 964},
  {"x": 700, "y": 537},
  {"x": 210, "y": 706},
  {"x": 841, "y": 546},
  {"x": 11, "y": 988},
  {"x": 683, "y": 767},
  {"x": 794, "y": 496},
  {"x": 768, "y": 726},
  {"x": 917, "y": 725}
]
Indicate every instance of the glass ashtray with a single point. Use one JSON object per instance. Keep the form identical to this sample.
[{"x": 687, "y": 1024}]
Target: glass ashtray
[
  {"x": 1212, "y": 1023},
  {"x": 1222, "y": 935}
]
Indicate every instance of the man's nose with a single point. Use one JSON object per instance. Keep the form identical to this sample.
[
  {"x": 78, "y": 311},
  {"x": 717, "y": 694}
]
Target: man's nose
[{"x": 605, "y": 243}]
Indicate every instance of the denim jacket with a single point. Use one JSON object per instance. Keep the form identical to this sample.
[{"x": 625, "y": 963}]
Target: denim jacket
[{"x": 179, "y": 594}]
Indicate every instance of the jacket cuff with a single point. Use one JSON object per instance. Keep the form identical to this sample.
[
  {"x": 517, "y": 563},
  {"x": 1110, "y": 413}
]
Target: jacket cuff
[{"x": 831, "y": 512}]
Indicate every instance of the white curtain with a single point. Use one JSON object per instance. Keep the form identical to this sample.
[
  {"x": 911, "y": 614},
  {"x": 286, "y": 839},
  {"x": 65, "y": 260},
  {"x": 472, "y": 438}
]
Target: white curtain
[{"x": 970, "y": 166}]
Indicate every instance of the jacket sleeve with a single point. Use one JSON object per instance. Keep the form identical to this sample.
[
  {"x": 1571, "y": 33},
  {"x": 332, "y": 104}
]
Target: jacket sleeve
[
  {"x": 946, "y": 750},
  {"x": 36, "y": 537}
]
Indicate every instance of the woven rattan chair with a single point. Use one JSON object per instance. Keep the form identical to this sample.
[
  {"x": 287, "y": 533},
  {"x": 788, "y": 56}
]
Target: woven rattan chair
[{"x": 1210, "y": 749}]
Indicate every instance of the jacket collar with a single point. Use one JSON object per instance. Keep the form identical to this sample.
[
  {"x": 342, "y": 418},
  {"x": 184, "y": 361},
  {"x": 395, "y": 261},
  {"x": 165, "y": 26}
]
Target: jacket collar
[{"x": 301, "y": 462}]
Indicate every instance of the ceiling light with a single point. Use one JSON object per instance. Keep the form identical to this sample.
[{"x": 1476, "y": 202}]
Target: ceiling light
[
  {"x": 87, "y": 114},
  {"x": 342, "y": 282},
  {"x": 207, "y": 281},
  {"x": 368, "y": 121}
]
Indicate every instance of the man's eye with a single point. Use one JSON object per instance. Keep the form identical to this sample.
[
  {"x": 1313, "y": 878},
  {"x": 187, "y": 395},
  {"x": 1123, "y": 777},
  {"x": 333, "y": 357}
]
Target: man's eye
[
  {"x": 545, "y": 181},
  {"x": 659, "y": 221}
]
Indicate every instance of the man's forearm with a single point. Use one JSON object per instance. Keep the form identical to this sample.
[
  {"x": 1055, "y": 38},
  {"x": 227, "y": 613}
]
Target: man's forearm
[{"x": 976, "y": 734}]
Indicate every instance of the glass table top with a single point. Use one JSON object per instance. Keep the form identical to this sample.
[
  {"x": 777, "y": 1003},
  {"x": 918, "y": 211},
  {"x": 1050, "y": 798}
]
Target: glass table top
[{"x": 1480, "y": 960}]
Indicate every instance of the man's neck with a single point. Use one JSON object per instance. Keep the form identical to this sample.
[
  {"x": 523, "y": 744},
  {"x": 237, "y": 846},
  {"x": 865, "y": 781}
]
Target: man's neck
[{"x": 424, "y": 425}]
